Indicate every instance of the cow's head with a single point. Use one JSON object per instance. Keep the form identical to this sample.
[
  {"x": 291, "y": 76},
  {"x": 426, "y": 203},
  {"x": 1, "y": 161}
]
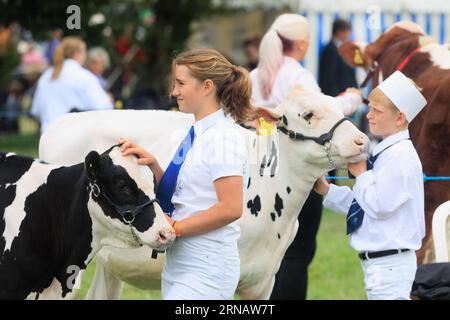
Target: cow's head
[
  {"x": 122, "y": 202},
  {"x": 313, "y": 114},
  {"x": 395, "y": 44}
]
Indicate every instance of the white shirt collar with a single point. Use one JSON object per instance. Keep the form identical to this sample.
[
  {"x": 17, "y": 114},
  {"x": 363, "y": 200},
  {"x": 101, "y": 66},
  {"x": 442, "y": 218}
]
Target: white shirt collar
[
  {"x": 337, "y": 42},
  {"x": 291, "y": 60},
  {"x": 72, "y": 61},
  {"x": 390, "y": 141},
  {"x": 208, "y": 121}
]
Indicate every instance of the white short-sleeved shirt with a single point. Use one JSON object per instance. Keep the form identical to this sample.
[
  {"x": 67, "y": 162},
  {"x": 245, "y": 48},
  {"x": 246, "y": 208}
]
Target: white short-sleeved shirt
[
  {"x": 211, "y": 258},
  {"x": 218, "y": 151},
  {"x": 75, "y": 87},
  {"x": 391, "y": 195},
  {"x": 290, "y": 75}
]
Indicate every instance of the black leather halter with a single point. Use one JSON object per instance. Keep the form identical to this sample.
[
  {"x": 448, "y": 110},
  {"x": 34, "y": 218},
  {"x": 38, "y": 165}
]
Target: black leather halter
[
  {"x": 322, "y": 140},
  {"x": 127, "y": 212}
]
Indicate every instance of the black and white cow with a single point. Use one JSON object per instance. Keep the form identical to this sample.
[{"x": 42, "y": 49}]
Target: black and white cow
[
  {"x": 54, "y": 219},
  {"x": 311, "y": 137}
]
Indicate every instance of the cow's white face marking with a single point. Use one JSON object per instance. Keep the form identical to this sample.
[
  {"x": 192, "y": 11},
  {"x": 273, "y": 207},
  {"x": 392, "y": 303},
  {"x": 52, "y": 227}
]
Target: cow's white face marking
[
  {"x": 439, "y": 55},
  {"x": 408, "y": 26},
  {"x": 108, "y": 231},
  {"x": 15, "y": 212}
]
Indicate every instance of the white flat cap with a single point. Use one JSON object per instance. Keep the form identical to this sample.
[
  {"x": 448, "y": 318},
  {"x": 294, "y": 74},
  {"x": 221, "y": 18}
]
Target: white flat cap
[{"x": 403, "y": 94}]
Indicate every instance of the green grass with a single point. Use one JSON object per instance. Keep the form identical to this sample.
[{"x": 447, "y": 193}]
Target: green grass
[
  {"x": 129, "y": 292},
  {"x": 26, "y": 145},
  {"x": 335, "y": 272}
]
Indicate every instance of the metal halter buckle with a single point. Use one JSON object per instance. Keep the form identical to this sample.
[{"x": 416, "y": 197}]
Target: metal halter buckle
[
  {"x": 291, "y": 134},
  {"x": 128, "y": 213},
  {"x": 95, "y": 189}
]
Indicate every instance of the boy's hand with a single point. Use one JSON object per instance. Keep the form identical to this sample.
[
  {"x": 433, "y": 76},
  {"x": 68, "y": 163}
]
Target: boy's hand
[
  {"x": 321, "y": 186},
  {"x": 357, "y": 168}
]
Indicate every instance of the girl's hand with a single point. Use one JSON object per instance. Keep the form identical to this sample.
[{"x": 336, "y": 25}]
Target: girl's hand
[
  {"x": 170, "y": 220},
  {"x": 129, "y": 147}
]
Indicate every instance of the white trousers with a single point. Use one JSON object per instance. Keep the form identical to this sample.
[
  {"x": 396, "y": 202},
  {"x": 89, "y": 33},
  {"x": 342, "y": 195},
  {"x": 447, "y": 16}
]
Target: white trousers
[
  {"x": 390, "y": 277},
  {"x": 190, "y": 288},
  {"x": 195, "y": 269}
]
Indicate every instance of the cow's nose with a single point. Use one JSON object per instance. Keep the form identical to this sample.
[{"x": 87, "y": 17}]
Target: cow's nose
[
  {"x": 166, "y": 236},
  {"x": 360, "y": 140}
]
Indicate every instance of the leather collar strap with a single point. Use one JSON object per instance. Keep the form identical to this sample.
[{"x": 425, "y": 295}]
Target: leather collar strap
[{"x": 322, "y": 140}]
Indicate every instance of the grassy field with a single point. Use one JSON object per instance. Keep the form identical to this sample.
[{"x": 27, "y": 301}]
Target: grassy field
[{"x": 334, "y": 274}]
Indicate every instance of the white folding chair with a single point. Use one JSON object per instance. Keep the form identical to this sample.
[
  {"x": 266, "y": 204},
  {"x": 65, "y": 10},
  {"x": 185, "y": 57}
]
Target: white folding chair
[{"x": 439, "y": 226}]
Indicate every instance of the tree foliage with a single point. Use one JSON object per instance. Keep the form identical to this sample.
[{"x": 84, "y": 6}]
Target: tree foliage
[
  {"x": 40, "y": 16},
  {"x": 159, "y": 40}
]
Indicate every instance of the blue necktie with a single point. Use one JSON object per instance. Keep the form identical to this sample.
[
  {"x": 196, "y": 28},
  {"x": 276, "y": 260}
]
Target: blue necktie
[
  {"x": 355, "y": 214},
  {"x": 169, "y": 179}
]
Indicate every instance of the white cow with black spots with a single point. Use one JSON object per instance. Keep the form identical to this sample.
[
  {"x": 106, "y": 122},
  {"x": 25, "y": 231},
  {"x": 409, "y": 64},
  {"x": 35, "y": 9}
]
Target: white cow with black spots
[
  {"x": 283, "y": 169},
  {"x": 54, "y": 219}
]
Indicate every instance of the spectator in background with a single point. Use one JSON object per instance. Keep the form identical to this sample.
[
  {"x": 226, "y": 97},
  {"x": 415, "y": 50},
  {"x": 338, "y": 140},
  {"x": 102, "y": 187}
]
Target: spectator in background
[
  {"x": 98, "y": 62},
  {"x": 251, "y": 50},
  {"x": 50, "y": 48},
  {"x": 32, "y": 57},
  {"x": 335, "y": 76},
  {"x": 67, "y": 86}
]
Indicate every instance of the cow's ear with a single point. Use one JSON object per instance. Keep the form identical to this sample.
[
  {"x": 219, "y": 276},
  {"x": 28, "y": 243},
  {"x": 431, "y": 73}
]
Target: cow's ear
[
  {"x": 266, "y": 118},
  {"x": 92, "y": 164},
  {"x": 353, "y": 54}
]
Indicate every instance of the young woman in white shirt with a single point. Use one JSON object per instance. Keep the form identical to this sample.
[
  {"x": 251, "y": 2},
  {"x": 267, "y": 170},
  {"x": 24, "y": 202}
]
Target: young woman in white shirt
[
  {"x": 203, "y": 263},
  {"x": 67, "y": 86},
  {"x": 283, "y": 46}
]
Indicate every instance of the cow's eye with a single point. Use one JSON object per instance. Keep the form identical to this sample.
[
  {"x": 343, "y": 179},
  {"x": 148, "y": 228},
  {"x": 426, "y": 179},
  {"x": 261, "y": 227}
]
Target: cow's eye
[
  {"x": 127, "y": 189},
  {"x": 307, "y": 116},
  {"x": 123, "y": 186}
]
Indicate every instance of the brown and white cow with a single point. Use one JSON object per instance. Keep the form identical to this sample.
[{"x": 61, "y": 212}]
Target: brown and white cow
[{"x": 405, "y": 47}]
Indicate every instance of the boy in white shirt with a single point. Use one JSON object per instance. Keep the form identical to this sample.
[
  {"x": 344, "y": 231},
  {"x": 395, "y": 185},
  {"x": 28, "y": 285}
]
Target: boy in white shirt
[{"x": 385, "y": 209}]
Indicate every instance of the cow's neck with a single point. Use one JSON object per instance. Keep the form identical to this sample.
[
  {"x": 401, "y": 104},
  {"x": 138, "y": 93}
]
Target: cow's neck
[
  {"x": 397, "y": 35},
  {"x": 71, "y": 222},
  {"x": 294, "y": 181},
  {"x": 392, "y": 55}
]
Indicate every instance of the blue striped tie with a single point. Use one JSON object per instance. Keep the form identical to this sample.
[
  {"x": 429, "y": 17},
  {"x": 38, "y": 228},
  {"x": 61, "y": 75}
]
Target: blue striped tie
[
  {"x": 355, "y": 214},
  {"x": 169, "y": 179}
]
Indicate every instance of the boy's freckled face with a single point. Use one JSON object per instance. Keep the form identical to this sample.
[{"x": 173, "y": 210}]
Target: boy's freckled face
[{"x": 382, "y": 119}]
